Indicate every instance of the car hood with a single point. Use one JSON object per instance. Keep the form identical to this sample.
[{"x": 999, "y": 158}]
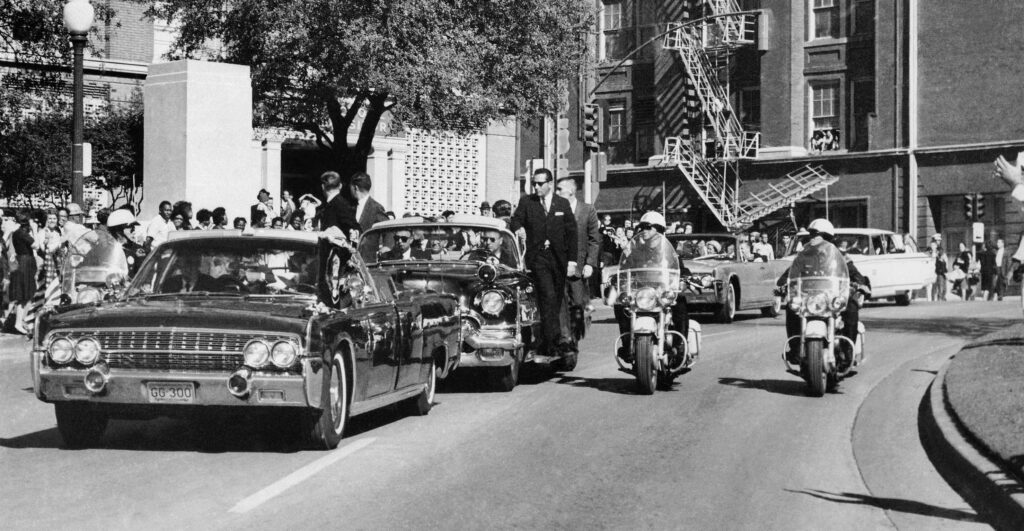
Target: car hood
[
  {"x": 700, "y": 267},
  {"x": 208, "y": 313}
]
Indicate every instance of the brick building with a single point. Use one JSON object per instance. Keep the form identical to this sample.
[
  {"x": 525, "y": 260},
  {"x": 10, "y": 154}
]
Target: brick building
[{"x": 907, "y": 103}]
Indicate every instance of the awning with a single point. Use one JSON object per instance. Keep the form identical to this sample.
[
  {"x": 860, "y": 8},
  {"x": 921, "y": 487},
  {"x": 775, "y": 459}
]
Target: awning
[{"x": 638, "y": 193}]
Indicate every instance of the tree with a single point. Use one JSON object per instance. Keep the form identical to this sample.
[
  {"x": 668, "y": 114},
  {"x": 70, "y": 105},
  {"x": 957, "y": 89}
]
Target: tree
[
  {"x": 432, "y": 64},
  {"x": 117, "y": 147}
]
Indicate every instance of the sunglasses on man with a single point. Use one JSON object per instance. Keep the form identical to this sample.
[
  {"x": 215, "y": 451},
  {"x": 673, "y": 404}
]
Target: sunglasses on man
[
  {"x": 402, "y": 239},
  {"x": 540, "y": 183},
  {"x": 488, "y": 239}
]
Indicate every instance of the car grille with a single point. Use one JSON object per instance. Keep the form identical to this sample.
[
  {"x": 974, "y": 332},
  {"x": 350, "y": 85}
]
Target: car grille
[{"x": 174, "y": 350}]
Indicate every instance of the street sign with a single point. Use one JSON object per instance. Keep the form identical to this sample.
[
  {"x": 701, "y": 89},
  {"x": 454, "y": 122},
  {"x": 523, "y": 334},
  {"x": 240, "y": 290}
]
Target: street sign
[
  {"x": 978, "y": 232},
  {"x": 86, "y": 159}
]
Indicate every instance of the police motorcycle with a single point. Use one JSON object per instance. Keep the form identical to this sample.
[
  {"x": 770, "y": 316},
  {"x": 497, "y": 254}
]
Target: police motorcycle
[
  {"x": 94, "y": 269},
  {"x": 819, "y": 290},
  {"x": 648, "y": 286}
]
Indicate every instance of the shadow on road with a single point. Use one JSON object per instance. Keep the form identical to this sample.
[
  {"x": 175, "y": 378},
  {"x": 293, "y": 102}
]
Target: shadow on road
[
  {"x": 622, "y": 386},
  {"x": 892, "y": 504},
  {"x": 958, "y": 326},
  {"x": 780, "y": 387}
]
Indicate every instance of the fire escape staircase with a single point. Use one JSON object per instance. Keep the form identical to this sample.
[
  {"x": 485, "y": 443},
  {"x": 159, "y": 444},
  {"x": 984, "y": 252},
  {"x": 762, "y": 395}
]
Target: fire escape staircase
[{"x": 703, "y": 47}]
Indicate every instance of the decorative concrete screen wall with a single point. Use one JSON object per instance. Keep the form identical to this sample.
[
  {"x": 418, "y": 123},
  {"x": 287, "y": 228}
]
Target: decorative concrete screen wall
[{"x": 444, "y": 171}]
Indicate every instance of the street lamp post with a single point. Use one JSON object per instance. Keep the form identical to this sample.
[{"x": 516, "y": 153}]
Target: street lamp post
[{"x": 78, "y": 18}]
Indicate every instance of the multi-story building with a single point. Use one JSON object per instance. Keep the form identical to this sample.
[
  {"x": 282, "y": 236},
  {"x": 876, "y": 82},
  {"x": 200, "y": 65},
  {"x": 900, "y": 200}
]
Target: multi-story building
[{"x": 898, "y": 107}]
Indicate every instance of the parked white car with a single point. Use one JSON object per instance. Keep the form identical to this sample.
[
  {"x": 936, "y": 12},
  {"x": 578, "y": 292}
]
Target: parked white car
[{"x": 894, "y": 270}]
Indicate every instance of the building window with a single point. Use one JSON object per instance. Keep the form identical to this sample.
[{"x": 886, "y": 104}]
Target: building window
[
  {"x": 616, "y": 122},
  {"x": 750, "y": 108},
  {"x": 826, "y": 19},
  {"x": 615, "y": 40},
  {"x": 863, "y": 106},
  {"x": 825, "y": 117}
]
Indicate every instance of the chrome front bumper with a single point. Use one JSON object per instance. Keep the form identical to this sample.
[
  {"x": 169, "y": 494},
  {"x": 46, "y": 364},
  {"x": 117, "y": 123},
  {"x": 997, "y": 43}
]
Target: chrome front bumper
[
  {"x": 489, "y": 349},
  {"x": 129, "y": 387}
]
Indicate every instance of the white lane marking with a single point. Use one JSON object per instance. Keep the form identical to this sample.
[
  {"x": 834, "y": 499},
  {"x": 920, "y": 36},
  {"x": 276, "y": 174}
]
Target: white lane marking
[{"x": 299, "y": 476}]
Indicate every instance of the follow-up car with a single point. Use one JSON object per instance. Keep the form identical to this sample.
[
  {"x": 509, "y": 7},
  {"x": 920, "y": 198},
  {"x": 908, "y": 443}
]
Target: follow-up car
[
  {"x": 727, "y": 282},
  {"x": 245, "y": 322},
  {"x": 478, "y": 260}
]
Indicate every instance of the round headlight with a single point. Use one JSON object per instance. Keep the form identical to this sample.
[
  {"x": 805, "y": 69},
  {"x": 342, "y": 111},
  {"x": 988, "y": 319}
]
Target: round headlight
[
  {"x": 87, "y": 351},
  {"x": 61, "y": 350},
  {"x": 492, "y": 302},
  {"x": 647, "y": 299},
  {"x": 706, "y": 281},
  {"x": 283, "y": 354},
  {"x": 817, "y": 304},
  {"x": 668, "y": 297},
  {"x": 256, "y": 353}
]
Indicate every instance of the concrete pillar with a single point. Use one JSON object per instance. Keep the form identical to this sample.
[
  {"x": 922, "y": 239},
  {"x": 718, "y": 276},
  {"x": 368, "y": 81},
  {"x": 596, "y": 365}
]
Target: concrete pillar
[
  {"x": 500, "y": 163},
  {"x": 270, "y": 170},
  {"x": 396, "y": 198},
  {"x": 198, "y": 137}
]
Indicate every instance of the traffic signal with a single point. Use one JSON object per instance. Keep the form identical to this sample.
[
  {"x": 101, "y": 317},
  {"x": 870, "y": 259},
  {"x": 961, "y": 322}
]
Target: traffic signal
[
  {"x": 969, "y": 207},
  {"x": 979, "y": 206},
  {"x": 592, "y": 126}
]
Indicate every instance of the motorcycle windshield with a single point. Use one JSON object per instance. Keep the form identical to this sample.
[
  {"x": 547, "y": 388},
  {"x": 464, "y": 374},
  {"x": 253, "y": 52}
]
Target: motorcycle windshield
[
  {"x": 92, "y": 259},
  {"x": 819, "y": 269},
  {"x": 648, "y": 264}
]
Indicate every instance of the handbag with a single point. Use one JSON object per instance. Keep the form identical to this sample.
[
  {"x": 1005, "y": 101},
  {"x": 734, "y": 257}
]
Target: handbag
[{"x": 957, "y": 274}]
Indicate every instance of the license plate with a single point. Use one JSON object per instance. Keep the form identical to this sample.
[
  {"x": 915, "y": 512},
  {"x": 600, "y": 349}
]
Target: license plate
[{"x": 171, "y": 392}]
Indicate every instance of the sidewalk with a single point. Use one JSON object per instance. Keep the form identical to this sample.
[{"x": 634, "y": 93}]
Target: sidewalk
[{"x": 972, "y": 425}]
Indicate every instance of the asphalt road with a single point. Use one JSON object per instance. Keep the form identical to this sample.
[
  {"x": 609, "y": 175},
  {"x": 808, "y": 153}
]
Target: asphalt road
[{"x": 735, "y": 445}]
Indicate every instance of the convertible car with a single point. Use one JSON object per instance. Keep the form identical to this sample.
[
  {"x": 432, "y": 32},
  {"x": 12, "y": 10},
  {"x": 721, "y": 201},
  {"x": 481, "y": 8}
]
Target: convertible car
[
  {"x": 245, "y": 322},
  {"x": 477, "y": 260},
  {"x": 728, "y": 283}
]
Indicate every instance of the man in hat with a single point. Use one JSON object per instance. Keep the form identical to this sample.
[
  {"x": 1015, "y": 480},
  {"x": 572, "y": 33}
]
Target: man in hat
[{"x": 485, "y": 209}]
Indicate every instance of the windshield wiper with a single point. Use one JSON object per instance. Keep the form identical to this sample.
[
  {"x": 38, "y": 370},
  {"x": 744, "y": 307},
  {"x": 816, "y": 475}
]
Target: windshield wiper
[{"x": 192, "y": 294}]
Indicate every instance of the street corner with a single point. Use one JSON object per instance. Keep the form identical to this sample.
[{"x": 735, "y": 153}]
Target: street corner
[{"x": 970, "y": 425}]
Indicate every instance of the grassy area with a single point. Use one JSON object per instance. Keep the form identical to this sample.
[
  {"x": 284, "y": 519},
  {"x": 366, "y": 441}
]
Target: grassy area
[{"x": 985, "y": 386}]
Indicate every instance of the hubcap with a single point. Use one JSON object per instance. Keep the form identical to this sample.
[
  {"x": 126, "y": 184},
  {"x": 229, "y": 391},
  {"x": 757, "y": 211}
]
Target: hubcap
[{"x": 337, "y": 400}]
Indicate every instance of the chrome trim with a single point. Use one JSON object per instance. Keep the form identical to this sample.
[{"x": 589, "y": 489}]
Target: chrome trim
[
  {"x": 103, "y": 371},
  {"x": 377, "y": 402},
  {"x": 246, "y": 375},
  {"x": 504, "y": 343}
]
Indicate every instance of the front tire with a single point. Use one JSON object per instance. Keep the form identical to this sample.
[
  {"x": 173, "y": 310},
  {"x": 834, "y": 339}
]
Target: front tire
[
  {"x": 78, "y": 424},
  {"x": 817, "y": 377},
  {"x": 727, "y": 310},
  {"x": 329, "y": 422},
  {"x": 644, "y": 364},
  {"x": 505, "y": 379}
]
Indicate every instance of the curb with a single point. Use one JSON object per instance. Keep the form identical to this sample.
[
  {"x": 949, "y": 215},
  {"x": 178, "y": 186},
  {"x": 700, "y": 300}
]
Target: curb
[{"x": 997, "y": 496}]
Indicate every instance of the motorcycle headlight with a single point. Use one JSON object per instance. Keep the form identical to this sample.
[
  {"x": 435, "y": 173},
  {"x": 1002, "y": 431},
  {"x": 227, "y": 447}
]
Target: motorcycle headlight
[
  {"x": 838, "y": 303},
  {"x": 492, "y": 302},
  {"x": 817, "y": 304},
  {"x": 283, "y": 354},
  {"x": 87, "y": 351},
  {"x": 256, "y": 353},
  {"x": 668, "y": 297},
  {"x": 647, "y": 299},
  {"x": 61, "y": 350},
  {"x": 707, "y": 281}
]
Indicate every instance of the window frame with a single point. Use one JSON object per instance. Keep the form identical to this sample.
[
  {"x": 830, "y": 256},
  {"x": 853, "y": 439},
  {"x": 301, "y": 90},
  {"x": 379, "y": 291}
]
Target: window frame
[
  {"x": 834, "y": 10},
  {"x": 616, "y": 131}
]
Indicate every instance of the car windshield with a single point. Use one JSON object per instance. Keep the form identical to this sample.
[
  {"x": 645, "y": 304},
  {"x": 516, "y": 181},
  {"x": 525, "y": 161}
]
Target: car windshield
[
  {"x": 426, "y": 242},
  {"x": 243, "y": 265},
  {"x": 704, "y": 246}
]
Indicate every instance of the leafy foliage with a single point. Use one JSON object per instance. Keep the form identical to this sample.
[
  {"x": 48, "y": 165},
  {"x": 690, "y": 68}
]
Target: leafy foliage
[{"x": 432, "y": 64}]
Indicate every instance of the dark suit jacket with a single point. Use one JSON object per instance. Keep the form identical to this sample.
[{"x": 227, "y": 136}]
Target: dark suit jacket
[
  {"x": 338, "y": 212},
  {"x": 588, "y": 242},
  {"x": 557, "y": 226},
  {"x": 373, "y": 212},
  {"x": 1005, "y": 269}
]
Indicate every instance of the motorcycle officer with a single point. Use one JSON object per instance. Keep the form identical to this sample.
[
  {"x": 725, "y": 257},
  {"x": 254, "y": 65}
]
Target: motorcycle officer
[
  {"x": 821, "y": 232},
  {"x": 650, "y": 233}
]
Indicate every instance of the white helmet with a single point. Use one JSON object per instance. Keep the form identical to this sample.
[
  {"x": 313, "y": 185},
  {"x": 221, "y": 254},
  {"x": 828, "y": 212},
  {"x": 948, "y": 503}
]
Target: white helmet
[
  {"x": 822, "y": 226},
  {"x": 655, "y": 219},
  {"x": 120, "y": 217}
]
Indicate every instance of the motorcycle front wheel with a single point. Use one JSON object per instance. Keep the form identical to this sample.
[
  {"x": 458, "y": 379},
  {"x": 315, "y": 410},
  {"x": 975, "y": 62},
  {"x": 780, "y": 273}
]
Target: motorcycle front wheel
[
  {"x": 817, "y": 378},
  {"x": 644, "y": 364}
]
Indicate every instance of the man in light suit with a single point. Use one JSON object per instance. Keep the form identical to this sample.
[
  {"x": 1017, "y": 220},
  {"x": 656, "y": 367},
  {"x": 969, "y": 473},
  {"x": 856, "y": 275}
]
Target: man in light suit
[
  {"x": 588, "y": 246},
  {"x": 551, "y": 253}
]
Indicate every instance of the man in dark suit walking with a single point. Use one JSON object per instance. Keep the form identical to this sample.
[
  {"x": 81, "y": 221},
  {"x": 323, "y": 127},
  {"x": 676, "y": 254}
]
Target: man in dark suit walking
[
  {"x": 368, "y": 210},
  {"x": 551, "y": 252},
  {"x": 588, "y": 246}
]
